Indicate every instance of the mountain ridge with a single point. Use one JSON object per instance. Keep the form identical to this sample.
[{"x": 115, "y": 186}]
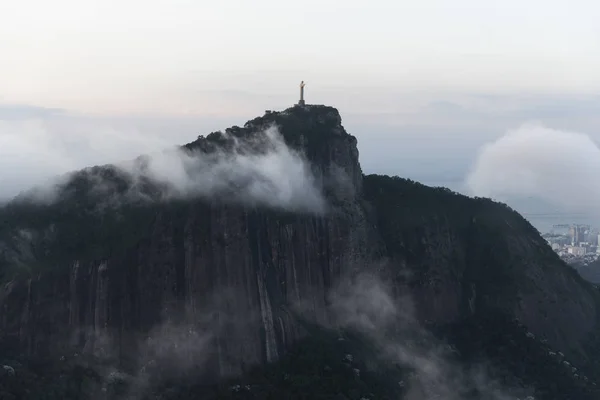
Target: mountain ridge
[{"x": 225, "y": 273}]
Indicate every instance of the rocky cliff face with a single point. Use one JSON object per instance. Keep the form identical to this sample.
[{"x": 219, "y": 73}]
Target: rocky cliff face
[
  {"x": 210, "y": 269},
  {"x": 213, "y": 281}
]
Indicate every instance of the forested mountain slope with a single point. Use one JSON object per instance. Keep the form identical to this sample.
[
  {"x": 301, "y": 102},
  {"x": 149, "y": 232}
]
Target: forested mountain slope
[{"x": 266, "y": 259}]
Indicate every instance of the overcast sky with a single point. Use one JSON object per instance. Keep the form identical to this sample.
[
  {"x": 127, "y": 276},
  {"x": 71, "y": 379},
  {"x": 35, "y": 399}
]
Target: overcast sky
[
  {"x": 423, "y": 84},
  {"x": 186, "y": 56}
]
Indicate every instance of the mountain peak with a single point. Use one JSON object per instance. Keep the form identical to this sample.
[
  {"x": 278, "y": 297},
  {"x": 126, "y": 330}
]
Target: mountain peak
[
  {"x": 316, "y": 131},
  {"x": 314, "y": 121},
  {"x": 206, "y": 290}
]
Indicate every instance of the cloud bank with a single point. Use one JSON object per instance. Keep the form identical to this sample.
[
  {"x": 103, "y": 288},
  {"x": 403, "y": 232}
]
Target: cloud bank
[
  {"x": 260, "y": 171},
  {"x": 559, "y": 167},
  {"x": 35, "y": 150},
  {"x": 41, "y": 153}
]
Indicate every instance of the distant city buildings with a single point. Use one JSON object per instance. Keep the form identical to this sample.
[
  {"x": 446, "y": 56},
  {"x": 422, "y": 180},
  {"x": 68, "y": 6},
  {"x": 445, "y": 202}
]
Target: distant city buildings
[{"x": 575, "y": 243}]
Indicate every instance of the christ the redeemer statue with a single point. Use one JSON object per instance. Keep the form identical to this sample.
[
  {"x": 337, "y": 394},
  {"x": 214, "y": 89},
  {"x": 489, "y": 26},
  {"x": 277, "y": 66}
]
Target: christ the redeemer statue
[{"x": 301, "y": 102}]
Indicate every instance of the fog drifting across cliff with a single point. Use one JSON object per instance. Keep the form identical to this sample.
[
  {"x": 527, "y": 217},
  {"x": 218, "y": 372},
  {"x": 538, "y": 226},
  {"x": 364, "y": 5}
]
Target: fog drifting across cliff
[
  {"x": 557, "y": 166},
  {"x": 176, "y": 349},
  {"x": 33, "y": 151},
  {"x": 260, "y": 171},
  {"x": 364, "y": 303}
]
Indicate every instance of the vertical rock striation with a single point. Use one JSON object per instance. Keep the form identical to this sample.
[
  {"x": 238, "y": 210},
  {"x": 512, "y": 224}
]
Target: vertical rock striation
[
  {"x": 226, "y": 270},
  {"x": 211, "y": 283}
]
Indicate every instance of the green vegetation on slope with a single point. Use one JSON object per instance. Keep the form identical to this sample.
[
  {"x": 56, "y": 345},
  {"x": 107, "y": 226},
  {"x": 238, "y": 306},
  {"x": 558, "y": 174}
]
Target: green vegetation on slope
[
  {"x": 405, "y": 205},
  {"x": 35, "y": 237},
  {"x": 490, "y": 231},
  {"x": 516, "y": 358},
  {"x": 408, "y": 211},
  {"x": 307, "y": 128},
  {"x": 316, "y": 368},
  {"x": 492, "y": 355},
  {"x": 86, "y": 221}
]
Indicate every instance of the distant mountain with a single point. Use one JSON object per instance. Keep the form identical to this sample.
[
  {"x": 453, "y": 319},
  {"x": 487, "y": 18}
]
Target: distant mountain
[{"x": 261, "y": 263}]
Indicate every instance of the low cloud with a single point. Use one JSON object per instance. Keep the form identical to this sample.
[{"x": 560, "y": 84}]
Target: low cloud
[
  {"x": 184, "y": 347},
  {"x": 365, "y": 303},
  {"x": 33, "y": 151},
  {"x": 40, "y": 154},
  {"x": 559, "y": 167},
  {"x": 24, "y": 111},
  {"x": 260, "y": 171}
]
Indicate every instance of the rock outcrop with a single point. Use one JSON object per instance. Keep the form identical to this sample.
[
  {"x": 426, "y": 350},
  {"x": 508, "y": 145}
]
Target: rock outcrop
[
  {"x": 213, "y": 281},
  {"x": 226, "y": 270}
]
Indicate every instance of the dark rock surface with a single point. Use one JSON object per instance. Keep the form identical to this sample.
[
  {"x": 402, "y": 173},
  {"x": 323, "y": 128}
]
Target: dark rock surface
[{"x": 210, "y": 283}]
